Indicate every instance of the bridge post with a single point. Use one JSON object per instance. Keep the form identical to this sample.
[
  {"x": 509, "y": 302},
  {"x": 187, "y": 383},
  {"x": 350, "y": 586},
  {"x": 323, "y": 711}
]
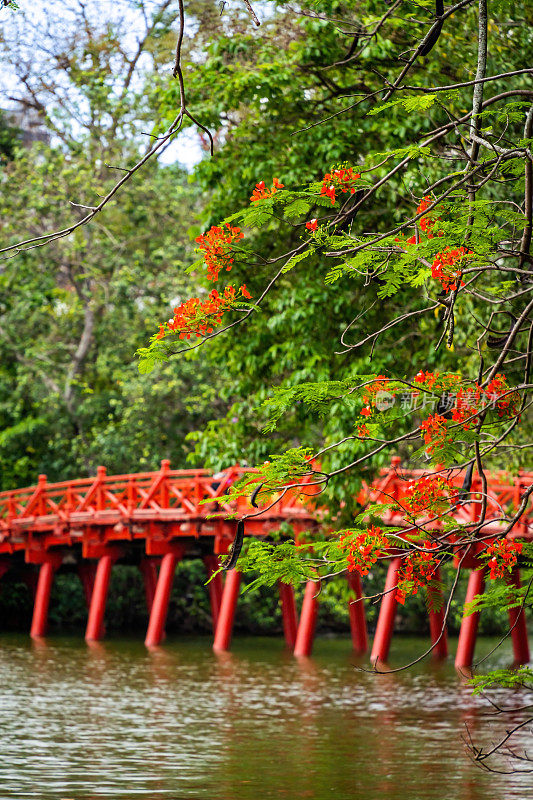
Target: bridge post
[
  {"x": 158, "y": 614},
  {"x": 215, "y": 588},
  {"x": 387, "y": 613},
  {"x": 39, "y": 623},
  {"x": 226, "y": 614},
  {"x": 165, "y": 494},
  {"x": 95, "y": 622},
  {"x": 468, "y": 632},
  {"x": 356, "y": 610},
  {"x": 306, "y": 629},
  {"x": 148, "y": 567},
  {"x": 437, "y": 625},
  {"x": 517, "y": 621},
  {"x": 288, "y": 613}
]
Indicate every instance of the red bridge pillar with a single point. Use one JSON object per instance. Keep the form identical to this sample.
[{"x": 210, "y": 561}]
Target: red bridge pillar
[
  {"x": 95, "y": 623},
  {"x": 517, "y": 621},
  {"x": 437, "y": 626},
  {"x": 158, "y": 614},
  {"x": 288, "y": 613},
  {"x": 39, "y": 623},
  {"x": 356, "y": 610},
  {"x": 306, "y": 629},
  {"x": 226, "y": 614},
  {"x": 387, "y": 613},
  {"x": 215, "y": 587},
  {"x": 468, "y": 632}
]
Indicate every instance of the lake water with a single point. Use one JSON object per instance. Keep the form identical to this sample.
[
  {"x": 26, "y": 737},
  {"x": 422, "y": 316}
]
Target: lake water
[{"x": 117, "y": 721}]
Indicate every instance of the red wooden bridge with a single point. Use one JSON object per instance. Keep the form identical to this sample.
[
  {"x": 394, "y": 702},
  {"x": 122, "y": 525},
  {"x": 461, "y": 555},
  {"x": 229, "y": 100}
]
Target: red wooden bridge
[{"x": 155, "y": 519}]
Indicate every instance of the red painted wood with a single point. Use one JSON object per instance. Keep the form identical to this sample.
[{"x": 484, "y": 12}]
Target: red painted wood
[
  {"x": 306, "y": 629},
  {"x": 158, "y": 614},
  {"x": 517, "y": 624},
  {"x": 387, "y": 614},
  {"x": 356, "y": 610},
  {"x": 226, "y": 615},
  {"x": 39, "y": 622},
  {"x": 289, "y": 613},
  {"x": 95, "y": 622},
  {"x": 215, "y": 587},
  {"x": 468, "y": 633},
  {"x": 110, "y": 508}
]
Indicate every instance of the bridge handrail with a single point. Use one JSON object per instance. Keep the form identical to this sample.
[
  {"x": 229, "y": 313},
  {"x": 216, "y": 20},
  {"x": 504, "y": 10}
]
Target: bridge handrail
[{"x": 166, "y": 488}]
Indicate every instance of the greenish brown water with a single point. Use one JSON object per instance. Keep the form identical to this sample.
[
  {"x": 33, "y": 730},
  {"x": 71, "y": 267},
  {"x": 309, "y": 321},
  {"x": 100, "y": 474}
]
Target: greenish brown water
[{"x": 115, "y": 721}]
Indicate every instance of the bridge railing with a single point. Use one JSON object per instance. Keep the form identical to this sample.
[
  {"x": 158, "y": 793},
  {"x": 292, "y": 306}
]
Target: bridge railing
[
  {"x": 184, "y": 492},
  {"x": 157, "y": 494},
  {"x": 88, "y": 524},
  {"x": 505, "y": 493}
]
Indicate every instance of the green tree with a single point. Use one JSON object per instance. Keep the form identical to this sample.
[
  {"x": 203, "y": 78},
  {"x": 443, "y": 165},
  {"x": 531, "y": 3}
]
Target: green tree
[
  {"x": 263, "y": 94},
  {"x": 8, "y": 139},
  {"x": 386, "y": 248},
  {"x": 70, "y": 315},
  {"x": 415, "y": 278}
]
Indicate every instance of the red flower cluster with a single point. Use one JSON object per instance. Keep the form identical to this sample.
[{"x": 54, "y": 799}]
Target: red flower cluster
[
  {"x": 509, "y": 405},
  {"x": 340, "y": 180},
  {"x": 379, "y": 385},
  {"x": 426, "y": 493},
  {"x": 364, "y": 549},
  {"x": 312, "y": 225},
  {"x": 417, "y": 569},
  {"x": 503, "y": 557},
  {"x": 447, "y": 267},
  {"x": 426, "y": 224},
  {"x": 469, "y": 402},
  {"x": 434, "y": 380},
  {"x": 261, "y": 192},
  {"x": 497, "y": 384},
  {"x": 434, "y": 428},
  {"x": 197, "y": 317},
  {"x": 428, "y": 378},
  {"x": 467, "y": 406},
  {"x": 216, "y": 244}
]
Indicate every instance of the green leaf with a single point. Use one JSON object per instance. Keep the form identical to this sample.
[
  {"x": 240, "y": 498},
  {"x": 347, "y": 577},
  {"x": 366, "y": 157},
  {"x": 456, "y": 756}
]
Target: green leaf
[
  {"x": 295, "y": 259},
  {"x": 298, "y": 208}
]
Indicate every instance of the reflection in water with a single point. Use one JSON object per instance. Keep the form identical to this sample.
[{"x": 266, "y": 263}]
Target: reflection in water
[{"x": 116, "y": 721}]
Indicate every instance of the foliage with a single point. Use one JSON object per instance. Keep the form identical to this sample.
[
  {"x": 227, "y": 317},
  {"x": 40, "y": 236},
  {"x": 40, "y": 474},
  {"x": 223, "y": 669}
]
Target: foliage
[
  {"x": 70, "y": 315},
  {"x": 397, "y": 231},
  {"x": 8, "y": 139},
  {"x": 503, "y": 677},
  {"x": 376, "y": 213}
]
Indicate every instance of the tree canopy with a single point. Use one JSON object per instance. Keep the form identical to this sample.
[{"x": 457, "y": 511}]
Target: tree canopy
[{"x": 361, "y": 286}]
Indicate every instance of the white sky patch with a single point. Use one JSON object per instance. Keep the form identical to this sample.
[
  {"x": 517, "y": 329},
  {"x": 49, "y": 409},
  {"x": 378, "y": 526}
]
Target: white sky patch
[
  {"x": 186, "y": 149},
  {"x": 56, "y": 17}
]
